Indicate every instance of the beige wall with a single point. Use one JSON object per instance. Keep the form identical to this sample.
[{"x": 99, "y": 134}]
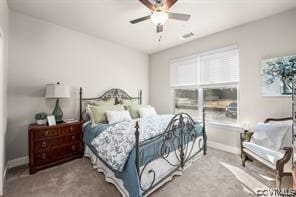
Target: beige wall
[
  {"x": 267, "y": 38},
  {"x": 3, "y": 73},
  {"x": 42, "y": 53}
]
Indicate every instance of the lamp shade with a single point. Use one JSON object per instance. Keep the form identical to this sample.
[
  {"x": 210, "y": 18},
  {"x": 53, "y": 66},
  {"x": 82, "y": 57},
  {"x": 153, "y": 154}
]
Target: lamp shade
[{"x": 57, "y": 91}]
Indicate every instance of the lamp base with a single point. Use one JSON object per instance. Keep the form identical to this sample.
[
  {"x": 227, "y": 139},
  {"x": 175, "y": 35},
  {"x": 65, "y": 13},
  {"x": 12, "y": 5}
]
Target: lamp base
[
  {"x": 57, "y": 112},
  {"x": 60, "y": 122}
]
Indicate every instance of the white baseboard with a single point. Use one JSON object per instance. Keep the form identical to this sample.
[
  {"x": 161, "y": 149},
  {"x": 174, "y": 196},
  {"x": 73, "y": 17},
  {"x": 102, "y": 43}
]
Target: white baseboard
[
  {"x": 17, "y": 162},
  {"x": 4, "y": 173},
  {"x": 224, "y": 147},
  {"x": 3, "y": 180},
  {"x": 11, "y": 164}
]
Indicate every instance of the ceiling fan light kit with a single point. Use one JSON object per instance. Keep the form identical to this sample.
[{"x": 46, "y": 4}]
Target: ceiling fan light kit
[
  {"x": 160, "y": 13},
  {"x": 159, "y": 17}
]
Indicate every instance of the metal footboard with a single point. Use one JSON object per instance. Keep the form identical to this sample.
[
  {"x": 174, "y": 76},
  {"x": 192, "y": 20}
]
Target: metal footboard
[{"x": 176, "y": 149}]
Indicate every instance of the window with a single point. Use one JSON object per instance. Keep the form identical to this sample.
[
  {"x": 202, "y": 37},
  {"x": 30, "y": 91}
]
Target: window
[
  {"x": 220, "y": 67},
  {"x": 220, "y": 104},
  {"x": 184, "y": 72},
  {"x": 186, "y": 101},
  {"x": 210, "y": 81}
]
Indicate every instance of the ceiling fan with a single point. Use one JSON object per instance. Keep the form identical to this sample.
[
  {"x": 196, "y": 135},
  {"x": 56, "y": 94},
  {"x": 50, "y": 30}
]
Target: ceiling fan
[{"x": 160, "y": 14}]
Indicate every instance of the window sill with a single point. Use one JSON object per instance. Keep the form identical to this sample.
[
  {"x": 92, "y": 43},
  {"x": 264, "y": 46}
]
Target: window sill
[{"x": 234, "y": 127}]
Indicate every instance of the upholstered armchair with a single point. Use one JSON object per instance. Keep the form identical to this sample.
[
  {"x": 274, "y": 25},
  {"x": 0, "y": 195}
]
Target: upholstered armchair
[{"x": 271, "y": 145}]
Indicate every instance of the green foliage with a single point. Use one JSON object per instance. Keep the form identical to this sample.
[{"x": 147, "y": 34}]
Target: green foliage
[{"x": 40, "y": 116}]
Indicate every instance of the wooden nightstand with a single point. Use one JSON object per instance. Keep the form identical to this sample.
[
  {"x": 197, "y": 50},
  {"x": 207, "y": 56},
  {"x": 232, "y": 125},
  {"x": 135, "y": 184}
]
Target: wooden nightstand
[{"x": 51, "y": 145}]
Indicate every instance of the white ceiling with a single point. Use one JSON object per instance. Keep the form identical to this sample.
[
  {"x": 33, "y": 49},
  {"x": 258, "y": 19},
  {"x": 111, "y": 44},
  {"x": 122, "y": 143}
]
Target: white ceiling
[{"x": 109, "y": 19}]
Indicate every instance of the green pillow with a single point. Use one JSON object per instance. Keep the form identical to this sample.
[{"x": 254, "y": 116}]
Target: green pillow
[
  {"x": 134, "y": 110},
  {"x": 129, "y": 102},
  {"x": 102, "y": 102},
  {"x": 97, "y": 114}
]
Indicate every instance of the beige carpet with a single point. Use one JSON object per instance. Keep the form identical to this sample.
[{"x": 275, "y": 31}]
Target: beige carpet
[{"x": 216, "y": 174}]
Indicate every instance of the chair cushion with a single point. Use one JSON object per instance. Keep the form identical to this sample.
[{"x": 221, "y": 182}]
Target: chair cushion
[
  {"x": 263, "y": 152},
  {"x": 269, "y": 135}
]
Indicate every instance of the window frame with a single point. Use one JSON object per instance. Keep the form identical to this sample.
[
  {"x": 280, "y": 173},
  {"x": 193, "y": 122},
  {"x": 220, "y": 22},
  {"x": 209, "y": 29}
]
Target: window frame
[{"x": 200, "y": 86}]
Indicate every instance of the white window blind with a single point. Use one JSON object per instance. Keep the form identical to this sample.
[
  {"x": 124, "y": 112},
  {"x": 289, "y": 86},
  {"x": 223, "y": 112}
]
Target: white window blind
[
  {"x": 184, "y": 71},
  {"x": 219, "y": 67}
]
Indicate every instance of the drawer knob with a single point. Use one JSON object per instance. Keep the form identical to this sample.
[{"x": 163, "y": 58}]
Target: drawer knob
[
  {"x": 46, "y": 133},
  {"x": 43, "y": 156},
  {"x": 43, "y": 144},
  {"x": 73, "y": 148},
  {"x": 73, "y": 137}
]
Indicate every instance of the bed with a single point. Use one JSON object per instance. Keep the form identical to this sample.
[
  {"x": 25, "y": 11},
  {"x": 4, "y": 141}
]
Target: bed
[{"x": 158, "y": 148}]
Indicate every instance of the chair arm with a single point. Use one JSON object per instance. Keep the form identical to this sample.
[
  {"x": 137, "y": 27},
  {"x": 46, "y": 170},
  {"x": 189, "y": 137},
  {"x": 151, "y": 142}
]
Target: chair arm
[
  {"x": 246, "y": 136},
  {"x": 281, "y": 162}
]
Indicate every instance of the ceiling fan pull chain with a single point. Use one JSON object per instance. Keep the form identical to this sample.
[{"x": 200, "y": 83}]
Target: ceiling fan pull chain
[{"x": 159, "y": 39}]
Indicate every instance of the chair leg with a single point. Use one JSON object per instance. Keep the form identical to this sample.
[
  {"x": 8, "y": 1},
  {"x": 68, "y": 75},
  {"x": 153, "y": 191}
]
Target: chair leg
[
  {"x": 244, "y": 159},
  {"x": 278, "y": 181}
]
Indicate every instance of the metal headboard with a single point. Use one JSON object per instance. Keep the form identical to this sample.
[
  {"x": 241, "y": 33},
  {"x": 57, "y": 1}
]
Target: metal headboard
[{"x": 115, "y": 93}]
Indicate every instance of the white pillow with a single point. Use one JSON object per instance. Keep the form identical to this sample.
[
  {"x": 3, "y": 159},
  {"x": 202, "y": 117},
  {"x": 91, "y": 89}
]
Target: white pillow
[
  {"x": 269, "y": 135},
  {"x": 147, "y": 111},
  {"x": 287, "y": 139},
  {"x": 117, "y": 116}
]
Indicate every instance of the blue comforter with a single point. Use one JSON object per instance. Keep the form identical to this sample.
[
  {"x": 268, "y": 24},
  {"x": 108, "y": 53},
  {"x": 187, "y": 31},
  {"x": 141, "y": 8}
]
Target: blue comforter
[{"x": 129, "y": 174}]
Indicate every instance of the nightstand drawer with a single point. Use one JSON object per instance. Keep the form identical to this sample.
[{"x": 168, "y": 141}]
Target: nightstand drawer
[
  {"x": 73, "y": 138},
  {"x": 44, "y": 157},
  {"x": 70, "y": 149},
  {"x": 70, "y": 130},
  {"x": 46, "y": 144},
  {"x": 46, "y": 133}
]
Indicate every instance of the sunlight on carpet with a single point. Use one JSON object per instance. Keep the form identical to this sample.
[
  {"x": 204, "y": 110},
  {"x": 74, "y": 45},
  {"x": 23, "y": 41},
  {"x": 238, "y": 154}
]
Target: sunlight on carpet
[
  {"x": 266, "y": 177},
  {"x": 247, "y": 180}
]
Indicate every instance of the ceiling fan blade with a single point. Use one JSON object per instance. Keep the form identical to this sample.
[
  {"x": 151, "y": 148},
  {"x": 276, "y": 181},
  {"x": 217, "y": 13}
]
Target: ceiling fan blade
[
  {"x": 167, "y": 4},
  {"x": 140, "y": 19},
  {"x": 159, "y": 28},
  {"x": 148, "y": 4},
  {"x": 177, "y": 16}
]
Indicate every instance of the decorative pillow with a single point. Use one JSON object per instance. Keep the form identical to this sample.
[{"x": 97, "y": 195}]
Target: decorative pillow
[
  {"x": 147, "y": 111},
  {"x": 287, "y": 139},
  {"x": 269, "y": 135},
  {"x": 102, "y": 102},
  {"x": 129, "y": 102},
  {"x": 134, "y": 110},
  {"x": 97, "y": 114},
  {"x": 117, "y": 116}
]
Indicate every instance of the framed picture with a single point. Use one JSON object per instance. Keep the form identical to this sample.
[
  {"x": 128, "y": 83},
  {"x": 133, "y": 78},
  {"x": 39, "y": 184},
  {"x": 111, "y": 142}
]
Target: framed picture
[
  {"x": 294, "y": 90},
  {"x": 51, "y": 120},
  {"x": 294, "y": 112},
  {"x": 277, "y": 76}
]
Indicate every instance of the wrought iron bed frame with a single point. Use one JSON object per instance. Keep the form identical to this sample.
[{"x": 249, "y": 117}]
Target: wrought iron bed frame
[{"x": 175, "y": 139}]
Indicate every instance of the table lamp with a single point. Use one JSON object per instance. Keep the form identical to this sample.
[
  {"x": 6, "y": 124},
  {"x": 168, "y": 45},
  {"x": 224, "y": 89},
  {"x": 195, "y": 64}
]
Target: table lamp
[{"x": 57, "y": 91}]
